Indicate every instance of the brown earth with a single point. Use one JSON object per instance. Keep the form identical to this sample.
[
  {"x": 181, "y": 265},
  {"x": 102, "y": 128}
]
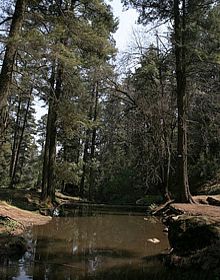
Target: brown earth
[
  {"x": 199, "y": 209},
  {"x": 19, "y": 209},
  {"x": 204, "y": 199},
  {"x": 13, "y": 222},
  {"x": 23, "y": 218}
]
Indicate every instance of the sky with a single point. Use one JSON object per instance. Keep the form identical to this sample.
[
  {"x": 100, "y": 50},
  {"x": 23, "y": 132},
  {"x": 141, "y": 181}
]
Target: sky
[{"x": 127, "y": 20}]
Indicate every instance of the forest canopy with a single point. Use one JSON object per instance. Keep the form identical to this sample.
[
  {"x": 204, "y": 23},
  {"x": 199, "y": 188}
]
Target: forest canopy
[{"x": 115, "y": 129}]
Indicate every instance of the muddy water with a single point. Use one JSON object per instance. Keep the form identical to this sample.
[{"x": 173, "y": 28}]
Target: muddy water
[{"x": 93, "y": 246}]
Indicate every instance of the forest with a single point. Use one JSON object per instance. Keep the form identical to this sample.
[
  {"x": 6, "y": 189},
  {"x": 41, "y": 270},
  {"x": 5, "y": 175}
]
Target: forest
[
  {"x": 115, "y": 129},
  {"x": 109, "y": 158}
]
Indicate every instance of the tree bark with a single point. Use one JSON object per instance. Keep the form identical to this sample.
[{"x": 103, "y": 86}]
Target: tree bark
[
  {"x": 17, "y": 153},
  {"x": 47, "y": 140},
  {"x": 8, "y": 63},
  {"x": 93, "y": 143},
  {"x": 65, "y": 159},
  {"x": 48, "y": 181},
  {"x": 48, "y": 176},
  {"x": 15, "y": 139},
  {"x": 85, "y": 159},
  {"x": 53, "y": 136},
  {"x": 86, "y": 156},
  {"x": 183, "y": 194},
  {"x": 166, "y": 162}
]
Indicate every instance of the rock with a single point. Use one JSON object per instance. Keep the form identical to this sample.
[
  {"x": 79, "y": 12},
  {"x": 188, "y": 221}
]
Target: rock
[
  {"x": 194, "y": 236},
  {"x": 205, "y": 259},
  {"x": 153, "y": 240},
  {"x": 165, "y": 229},
  {"x": 13, "y": 246},
  {"x": 213, "y": 201},
  {"x": 17, "y": 246},
  {"x": 188, "y": 234},
  {"x": 175, "y": 218}
]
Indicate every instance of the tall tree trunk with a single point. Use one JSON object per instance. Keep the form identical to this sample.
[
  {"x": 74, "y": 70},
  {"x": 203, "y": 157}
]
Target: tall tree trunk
[
  {"x": 65, "y": 160},
  {"x": 93, "y": 143},
  {"x": 48, "y": 182},
  {"x": 15, "y": 139},
  {"x": 48, "y": 178},
  {"x": 8, "y": 63},
  {"x": 53, "y": 136},
  {"x": 17, "y": 153},
  {"x": 47, "y": 140},
  {"x": 87, "y": 140},
  {"x": 46, "y": 156},
  {"x": 167, "y": 194},
  {"x": 77, "y": 150},
  {"x": 166, "y": 162},
  {"x": 183, "y": 194},
  {"x": 85, "y": 159}
]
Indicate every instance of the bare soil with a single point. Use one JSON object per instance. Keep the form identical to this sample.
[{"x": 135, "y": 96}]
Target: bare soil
[
  {"x": 13, "y": 222},
  {"x": 199, "y": 209},
  {"x": 23, "y": 218},
  {"x": 19, "y": 209}
]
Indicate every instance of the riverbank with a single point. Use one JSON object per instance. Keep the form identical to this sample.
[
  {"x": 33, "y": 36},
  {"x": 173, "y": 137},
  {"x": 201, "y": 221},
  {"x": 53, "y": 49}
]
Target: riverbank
[
  {"x": 20, "y": 209},
  {"x": 194, "y": 229},
  {"x": 193, "y": 233},
  {"x": 13, "y": 222}
]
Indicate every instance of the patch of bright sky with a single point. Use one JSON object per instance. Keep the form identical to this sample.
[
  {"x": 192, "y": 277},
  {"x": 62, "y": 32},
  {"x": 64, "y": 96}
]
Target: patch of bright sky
[{"x": 127, "y": 22}]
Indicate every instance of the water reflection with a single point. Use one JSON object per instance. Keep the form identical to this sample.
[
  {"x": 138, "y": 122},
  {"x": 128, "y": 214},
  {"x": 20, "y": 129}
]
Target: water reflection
[
  {"x": 93, "y": 243},
  {"x": 95, "y": 246}
]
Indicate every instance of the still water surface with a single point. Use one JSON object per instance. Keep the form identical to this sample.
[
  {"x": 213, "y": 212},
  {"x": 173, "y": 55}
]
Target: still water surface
[{"x": 95, "y": 246}]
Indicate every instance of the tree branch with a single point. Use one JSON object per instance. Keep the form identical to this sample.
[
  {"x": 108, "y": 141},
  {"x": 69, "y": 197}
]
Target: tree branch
[{"x": 5, "y": 20}]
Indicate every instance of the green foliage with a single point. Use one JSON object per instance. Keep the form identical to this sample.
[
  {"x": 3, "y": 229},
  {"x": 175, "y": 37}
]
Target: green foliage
[
  {"x": 68, "y": 172},
  {"x": 116, "y": 135},
  {"x": 9, "y": 224},
  {"x": 152, "y": 81},
  {"x": 121, "y": 188}
]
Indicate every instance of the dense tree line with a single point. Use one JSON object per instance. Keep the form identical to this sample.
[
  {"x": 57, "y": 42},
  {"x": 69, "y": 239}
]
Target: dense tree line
[{"x": 109, "y": 136}]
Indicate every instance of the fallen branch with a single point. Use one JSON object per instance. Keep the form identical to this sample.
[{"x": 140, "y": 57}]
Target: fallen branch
[{"x": 162, "y": 208}]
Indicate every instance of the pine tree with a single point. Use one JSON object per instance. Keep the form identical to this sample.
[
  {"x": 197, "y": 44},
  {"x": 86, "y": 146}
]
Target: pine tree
[
  {"x": 24, "y": 150},
  {"x": 8, "y": 64},
  {"x": 75, "y": 49},
  {"x": 182, "y": 13}
]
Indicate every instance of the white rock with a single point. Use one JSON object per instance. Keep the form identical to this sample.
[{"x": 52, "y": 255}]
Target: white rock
[{"x": 153, "y": 240}]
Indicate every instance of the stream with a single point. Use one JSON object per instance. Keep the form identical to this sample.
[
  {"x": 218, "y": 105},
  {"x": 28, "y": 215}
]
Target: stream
[{"x": 95, "y": 245}]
